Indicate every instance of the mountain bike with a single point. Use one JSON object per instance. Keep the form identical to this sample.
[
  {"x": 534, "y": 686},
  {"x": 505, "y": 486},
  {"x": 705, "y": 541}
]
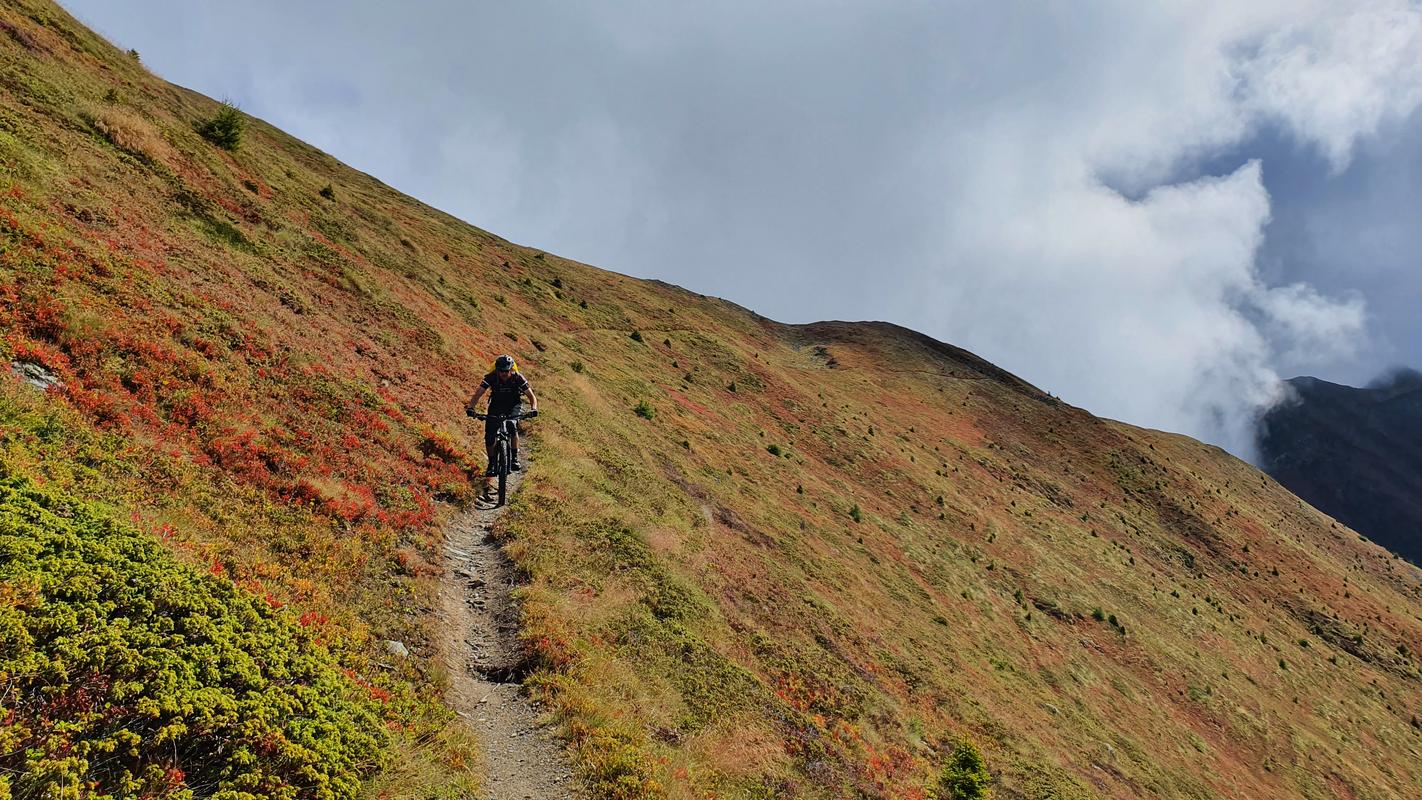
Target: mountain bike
[{"x": 502, "y": 457}]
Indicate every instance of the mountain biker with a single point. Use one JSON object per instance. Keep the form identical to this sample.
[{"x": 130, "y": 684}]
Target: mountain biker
[{"x": 506, "y": 387}]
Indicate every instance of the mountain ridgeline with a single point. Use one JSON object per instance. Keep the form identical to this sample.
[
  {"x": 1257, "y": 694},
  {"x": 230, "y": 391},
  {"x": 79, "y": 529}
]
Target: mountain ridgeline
[
  {"x": 757, "y": 560},
  {"x": 1355, "y": 454}
]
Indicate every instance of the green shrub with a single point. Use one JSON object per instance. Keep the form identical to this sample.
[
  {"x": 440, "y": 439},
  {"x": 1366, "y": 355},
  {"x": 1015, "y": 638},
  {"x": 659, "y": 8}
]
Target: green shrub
[
  {"x": 966, "y": 777},
  {"x": 328, "y": 191},
  {"x": 773, "y": 449},
  {"x": 636, "y": 336},
  {"x": 855, "y": 514},
  {"x": 225, "y": 128},
  {"x": 643, "y": 410},
  {"x": 132, "y": 675}
]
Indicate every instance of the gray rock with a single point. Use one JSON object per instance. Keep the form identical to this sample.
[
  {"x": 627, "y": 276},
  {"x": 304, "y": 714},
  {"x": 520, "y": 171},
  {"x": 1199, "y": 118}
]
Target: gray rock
[
  {"x": 36, "y": 375},
  {"x": 397, "y": 648}
]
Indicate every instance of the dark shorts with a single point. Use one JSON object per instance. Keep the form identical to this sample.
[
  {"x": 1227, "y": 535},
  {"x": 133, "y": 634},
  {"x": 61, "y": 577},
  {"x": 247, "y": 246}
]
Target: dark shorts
[{"x": 491, "y": 427}]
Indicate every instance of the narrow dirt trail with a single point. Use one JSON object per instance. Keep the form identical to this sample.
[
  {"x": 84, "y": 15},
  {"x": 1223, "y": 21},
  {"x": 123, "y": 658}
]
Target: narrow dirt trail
[{"x": 485, "y": 663}]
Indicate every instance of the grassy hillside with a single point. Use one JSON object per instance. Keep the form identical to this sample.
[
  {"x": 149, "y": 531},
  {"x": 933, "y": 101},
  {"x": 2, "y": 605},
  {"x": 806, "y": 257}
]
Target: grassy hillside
[{"x": 762, "y": 560}]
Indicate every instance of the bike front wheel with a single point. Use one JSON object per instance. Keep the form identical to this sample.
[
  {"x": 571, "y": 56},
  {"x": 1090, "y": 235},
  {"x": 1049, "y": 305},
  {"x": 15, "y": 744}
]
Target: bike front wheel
[{"x": 503, "y": 471}]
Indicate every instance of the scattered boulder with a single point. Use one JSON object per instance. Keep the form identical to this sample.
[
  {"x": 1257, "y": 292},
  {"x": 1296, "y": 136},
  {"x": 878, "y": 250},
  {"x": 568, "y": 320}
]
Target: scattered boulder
[
  {"x": 36, "y": 375},
  {"x": 395, "y": 648}
]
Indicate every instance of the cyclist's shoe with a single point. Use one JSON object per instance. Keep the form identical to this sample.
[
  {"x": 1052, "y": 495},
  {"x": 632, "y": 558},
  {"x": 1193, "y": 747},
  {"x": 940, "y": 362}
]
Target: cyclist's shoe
[
  {"x": 491, "y": 472},
  {"x": 516, "y": 466}
]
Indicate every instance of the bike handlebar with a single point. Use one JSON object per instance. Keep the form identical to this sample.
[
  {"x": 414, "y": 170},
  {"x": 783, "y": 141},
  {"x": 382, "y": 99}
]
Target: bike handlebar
[{"x": 502, "y": 417}]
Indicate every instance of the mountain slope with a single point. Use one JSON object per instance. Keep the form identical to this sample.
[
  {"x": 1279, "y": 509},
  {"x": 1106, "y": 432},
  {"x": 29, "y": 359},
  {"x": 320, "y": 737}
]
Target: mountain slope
[
  {"x": 761, "y": 559},
  {"x": 1354, "y": 453}
]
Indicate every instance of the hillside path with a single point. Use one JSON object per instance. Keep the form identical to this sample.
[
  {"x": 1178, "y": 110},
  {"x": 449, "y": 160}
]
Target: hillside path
[{"x": 485, "y": 664}]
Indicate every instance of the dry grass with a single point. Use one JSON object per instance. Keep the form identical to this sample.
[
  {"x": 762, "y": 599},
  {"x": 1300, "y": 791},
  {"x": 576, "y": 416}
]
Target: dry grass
[
  {"x": 438, "y": 766},
  {"x": 132, "y": 133}
]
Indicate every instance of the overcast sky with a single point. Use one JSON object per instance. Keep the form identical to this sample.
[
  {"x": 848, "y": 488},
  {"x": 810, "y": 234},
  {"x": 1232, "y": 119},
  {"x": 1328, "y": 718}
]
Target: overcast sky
[{"x": 1151, "y": 210}]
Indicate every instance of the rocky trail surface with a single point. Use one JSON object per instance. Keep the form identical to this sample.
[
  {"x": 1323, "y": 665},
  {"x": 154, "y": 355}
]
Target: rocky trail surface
[{"x": 485, "y": 664}]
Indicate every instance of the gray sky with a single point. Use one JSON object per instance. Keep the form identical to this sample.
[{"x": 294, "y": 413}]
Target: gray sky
[{"x": 1152, "y": 210}]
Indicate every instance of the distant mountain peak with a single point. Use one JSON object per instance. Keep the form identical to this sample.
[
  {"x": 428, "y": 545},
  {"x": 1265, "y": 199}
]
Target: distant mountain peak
[
  {"x": 1355, "y": 453},
  {"x": 1398, "y": 378},
  {"x": 1395, "y": 382}
]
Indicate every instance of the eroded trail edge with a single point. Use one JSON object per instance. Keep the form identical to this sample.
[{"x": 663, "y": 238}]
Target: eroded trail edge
[{"x": 485, "y": 664}]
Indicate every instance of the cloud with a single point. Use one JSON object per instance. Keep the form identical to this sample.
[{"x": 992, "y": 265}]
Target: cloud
[
  {"x": 1339, "y": 74},
  {"x": 1311, "y": 326},
  {"x": 1043, "y": 186},
  {"x": 1131, "y": 308},
  {"x": 1076, "y": 263}
]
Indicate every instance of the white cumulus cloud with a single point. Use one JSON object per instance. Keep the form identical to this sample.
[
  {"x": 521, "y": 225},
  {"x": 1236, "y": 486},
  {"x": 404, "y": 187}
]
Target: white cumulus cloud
[{"x": 1339, "y": 73}]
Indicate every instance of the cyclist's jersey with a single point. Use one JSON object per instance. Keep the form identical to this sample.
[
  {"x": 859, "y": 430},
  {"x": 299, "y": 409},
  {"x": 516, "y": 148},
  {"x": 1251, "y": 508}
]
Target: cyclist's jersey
[{"x": 505, "y": 396}]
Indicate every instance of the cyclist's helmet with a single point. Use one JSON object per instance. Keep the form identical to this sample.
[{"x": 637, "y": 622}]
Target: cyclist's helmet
[{"x": 504, "y": 362}]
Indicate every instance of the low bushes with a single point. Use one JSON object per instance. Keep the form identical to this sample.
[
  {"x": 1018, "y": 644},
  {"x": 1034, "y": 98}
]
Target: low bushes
[{"x": 129, "y": 674}]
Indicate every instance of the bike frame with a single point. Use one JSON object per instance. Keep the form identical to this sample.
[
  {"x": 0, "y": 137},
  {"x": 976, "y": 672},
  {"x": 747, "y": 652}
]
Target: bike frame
[{"x": 501, "y": 457}]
